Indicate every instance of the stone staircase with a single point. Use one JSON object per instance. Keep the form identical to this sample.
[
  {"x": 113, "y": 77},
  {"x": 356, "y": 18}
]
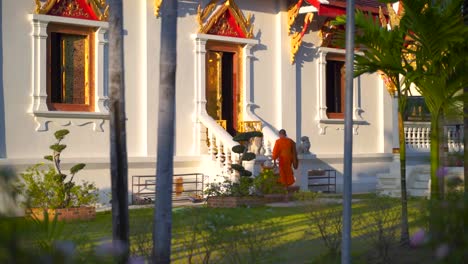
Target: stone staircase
[
  {"x": 389, "y": 183},
  {"x": 418, "y": 179}
]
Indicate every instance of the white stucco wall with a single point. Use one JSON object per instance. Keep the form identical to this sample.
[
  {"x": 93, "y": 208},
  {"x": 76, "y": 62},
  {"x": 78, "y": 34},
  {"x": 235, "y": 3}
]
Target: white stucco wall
[{"x": 285, "y": 93}]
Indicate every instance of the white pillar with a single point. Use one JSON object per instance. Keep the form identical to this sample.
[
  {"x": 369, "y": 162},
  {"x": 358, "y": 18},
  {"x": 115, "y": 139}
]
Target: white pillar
[{"x": 200, "y": 91}]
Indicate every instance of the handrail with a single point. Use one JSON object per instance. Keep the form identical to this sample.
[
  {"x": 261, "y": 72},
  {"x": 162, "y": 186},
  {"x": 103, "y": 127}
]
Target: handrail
[
  {"x": 217, "y": 130},
  {"x": 269, "y": 135}
]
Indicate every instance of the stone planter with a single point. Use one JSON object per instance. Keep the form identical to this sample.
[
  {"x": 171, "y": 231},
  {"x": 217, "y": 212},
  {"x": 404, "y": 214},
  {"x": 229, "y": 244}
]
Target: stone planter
[
  {"x": 231, "y": 202},
  {"x": 276, "y": 197},
  {"x": 65, "y": 214}
]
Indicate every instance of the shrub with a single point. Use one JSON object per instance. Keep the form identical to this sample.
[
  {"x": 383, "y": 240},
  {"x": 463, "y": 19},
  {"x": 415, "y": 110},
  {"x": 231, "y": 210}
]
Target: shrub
[
  {"x": 242, "y": 149},
  {"x": 445, "y": 222},
  {"x": 382, "y": 226},
  {"x": 243, "y": 187},
  {"x": 50, "y": 188},
  {"x": 267, "y": 182},
  {"x": 326, "y": 220}
]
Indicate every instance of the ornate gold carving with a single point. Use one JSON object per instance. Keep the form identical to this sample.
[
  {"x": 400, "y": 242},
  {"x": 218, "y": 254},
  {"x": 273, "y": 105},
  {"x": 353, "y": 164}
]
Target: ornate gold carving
[
  {"x": 293, "y": 12},
  {"x": 394, "y": 17},
  {"x": 296, "y": 38},
  {"x": 157, "y": 7},
  {"x": 389, "y": 84},
  {"x": 216, "y": 16},
  {"x": 214, "y": 105},
  {"x": 202, "y": 15},
  {"x": 247, "y": 126},
  {"x": 394, "y": 21},
  {"x": 326, "y": 34},
  {"x": 222, "y": 123},
  {"x": 100, "y": 8}
]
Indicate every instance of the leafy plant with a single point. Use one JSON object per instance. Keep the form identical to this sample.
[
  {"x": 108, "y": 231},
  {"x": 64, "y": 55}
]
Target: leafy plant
[
  {"x": 242, "y": 149},
  {"x": 50, "y": 187},
  {"x": 382, "y": 231},
  {"x": 243, "y": 187},
  {"x": 267, "y": 182}
]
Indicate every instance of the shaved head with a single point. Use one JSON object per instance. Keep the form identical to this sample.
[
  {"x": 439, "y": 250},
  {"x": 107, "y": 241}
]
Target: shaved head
[{"x": 282, "y": 132}]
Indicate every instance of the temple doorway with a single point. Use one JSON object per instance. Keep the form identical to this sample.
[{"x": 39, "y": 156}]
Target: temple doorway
[{"x": 222, "y": 85}]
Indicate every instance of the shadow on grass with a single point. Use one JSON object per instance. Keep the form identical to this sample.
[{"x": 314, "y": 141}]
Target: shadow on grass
[{"x": 289, "y": 242}]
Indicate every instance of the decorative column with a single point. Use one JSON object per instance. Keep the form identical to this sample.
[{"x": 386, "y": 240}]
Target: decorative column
[
  {"x": 200, "y": 92},
  {"x": 321, "y": 84},
  {"x": 246, "y": 99},
  {"x": 40, "y": 65},
  {"x": 101, "y": 76}
]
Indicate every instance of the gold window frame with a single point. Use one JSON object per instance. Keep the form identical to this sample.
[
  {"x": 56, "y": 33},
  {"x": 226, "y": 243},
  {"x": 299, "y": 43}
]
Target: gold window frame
[{"x": 89, "y": 34}]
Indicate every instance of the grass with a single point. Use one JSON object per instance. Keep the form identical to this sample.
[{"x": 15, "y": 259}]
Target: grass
[{"x": 291, "y": 236}]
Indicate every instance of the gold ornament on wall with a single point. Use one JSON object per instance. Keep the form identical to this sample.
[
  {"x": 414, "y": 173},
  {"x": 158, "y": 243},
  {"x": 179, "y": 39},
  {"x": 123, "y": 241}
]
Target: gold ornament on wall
[
  {"x": 157, "y": 7},
  {"x": 210, "y": 17},
  {"x": 296, "y": 38},
  {"x": 99, "y": 7}
]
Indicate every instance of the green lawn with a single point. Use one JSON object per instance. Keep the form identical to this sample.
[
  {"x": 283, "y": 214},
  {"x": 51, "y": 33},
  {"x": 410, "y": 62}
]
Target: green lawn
[{"x": 247, "y": 235}]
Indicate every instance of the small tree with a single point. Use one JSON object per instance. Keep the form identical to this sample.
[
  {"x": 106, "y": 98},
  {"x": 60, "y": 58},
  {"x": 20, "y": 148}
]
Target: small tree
[
  {"x": 52, "y": 188},
  {"x": 243, "y": 150}
]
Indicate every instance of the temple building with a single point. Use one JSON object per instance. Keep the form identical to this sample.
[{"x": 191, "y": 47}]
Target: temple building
[{"x": 242, "y": 65}]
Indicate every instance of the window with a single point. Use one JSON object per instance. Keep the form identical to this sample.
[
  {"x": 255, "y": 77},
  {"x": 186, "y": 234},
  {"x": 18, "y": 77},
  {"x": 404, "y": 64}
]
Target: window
[
  {"x": 331, "y": 89},
  {"x": 69, "y": 59},
  {"x": 70, "y": 68},
  {"x": 335, "y": 87}
]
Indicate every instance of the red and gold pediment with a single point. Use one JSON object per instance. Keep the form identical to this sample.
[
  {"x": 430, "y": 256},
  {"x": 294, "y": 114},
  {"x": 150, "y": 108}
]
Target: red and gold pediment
[
  {"x": 227, "y": 20},
  {"x": 82, "y": 9}
]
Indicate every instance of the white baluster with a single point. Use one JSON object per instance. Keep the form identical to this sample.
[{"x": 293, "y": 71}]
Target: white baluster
[
  {"x": 428, "y": 138},
  {"x": 212, "y": 143},
  {"x": 450, "y": 141},
  {"x": 219, "y": 156},
  {"x": 419, "y": 137},
  {"x": 268, "y": 148},
  {"x": 227, "y": 161}
]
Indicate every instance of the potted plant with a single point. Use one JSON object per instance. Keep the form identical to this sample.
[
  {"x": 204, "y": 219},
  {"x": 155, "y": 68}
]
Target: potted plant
[
  {"x": 49, "y": 189},
  {"x": 232, "y": 194},
  {"x": 267, "y": 184},
  {"x": 239, "y": 192}
]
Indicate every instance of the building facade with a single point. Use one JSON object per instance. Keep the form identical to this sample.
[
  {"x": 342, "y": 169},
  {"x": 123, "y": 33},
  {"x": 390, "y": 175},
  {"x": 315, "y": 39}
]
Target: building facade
[{"x": 241, "y": 65}]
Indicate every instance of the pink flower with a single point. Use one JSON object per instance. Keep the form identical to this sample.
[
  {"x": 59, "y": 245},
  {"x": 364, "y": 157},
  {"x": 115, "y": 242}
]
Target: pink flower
[
  {"x": 442, "y": 251},
  {"x": 442, "y": 172},
  {"x": 418, "y": 238}
]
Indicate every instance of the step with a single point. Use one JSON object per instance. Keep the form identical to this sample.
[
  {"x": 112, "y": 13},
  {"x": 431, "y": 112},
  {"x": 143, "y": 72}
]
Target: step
[
  {"x": 420, "y": 185},
  {"x": 418, "y": 192},
  {"x": 391, "y": 182},
  {"x": 391, "y": 193},
  {"x": 387, "y": 187},
  {"x": 421, "y": 177}
]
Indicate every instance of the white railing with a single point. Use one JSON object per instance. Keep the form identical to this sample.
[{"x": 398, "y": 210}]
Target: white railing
[
  {"x": 220, "y": 145},
  {"x": 418, "y": 134},
  {"x": 269, "y": 135}
]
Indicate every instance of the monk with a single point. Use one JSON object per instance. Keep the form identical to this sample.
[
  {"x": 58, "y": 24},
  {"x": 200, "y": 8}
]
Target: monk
[{"x": 285, "y": 151}]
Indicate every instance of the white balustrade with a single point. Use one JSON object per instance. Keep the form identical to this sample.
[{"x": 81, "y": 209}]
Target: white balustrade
[
  {"x": 418, "y": 137},
  {"x": 220, "y": 144}
]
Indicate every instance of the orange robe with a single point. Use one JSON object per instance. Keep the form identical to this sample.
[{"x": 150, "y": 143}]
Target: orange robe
[{"x": 284, "y": 150}]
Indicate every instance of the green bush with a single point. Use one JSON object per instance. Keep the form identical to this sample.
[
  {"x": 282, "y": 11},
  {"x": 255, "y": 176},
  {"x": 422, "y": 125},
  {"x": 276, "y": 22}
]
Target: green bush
[
  {"x": 47, "y": 187},
  {"x": 267, "y": 182},
  {"x": 243, "y": 187},
  {"x": 242, "y": 149}
]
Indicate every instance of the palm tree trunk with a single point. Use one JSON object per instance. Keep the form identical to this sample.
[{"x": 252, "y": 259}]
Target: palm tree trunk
[
  {"x": 465, "y": 129},
  {"x": 166, "y": 126},
  {"x": 118, "y": 140},
  {"x": 404, "y": 234},
  {"x": 434, "y": 156}
]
